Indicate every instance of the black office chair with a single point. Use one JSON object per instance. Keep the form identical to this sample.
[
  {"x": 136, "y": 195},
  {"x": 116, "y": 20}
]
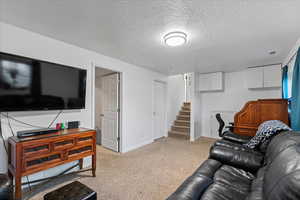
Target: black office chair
[{"x": 229, "y": 134}]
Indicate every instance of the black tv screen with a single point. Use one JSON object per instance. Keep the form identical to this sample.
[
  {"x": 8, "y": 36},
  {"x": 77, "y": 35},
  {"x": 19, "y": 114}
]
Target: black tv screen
[{"x": 30, "y": 84}]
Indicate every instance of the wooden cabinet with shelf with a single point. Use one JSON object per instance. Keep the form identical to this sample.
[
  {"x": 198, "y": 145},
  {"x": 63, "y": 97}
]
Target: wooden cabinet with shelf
[{"x": 34, "y": 154}]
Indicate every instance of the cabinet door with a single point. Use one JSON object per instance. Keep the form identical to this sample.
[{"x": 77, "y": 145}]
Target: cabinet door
[
  {"x": 272, "y": 76},
  {"x": 217, "y": 81},
  {"x": 204, "y": 82},
  {"x": 254, "y": 77},
  {"x": 211, "y": 81}
]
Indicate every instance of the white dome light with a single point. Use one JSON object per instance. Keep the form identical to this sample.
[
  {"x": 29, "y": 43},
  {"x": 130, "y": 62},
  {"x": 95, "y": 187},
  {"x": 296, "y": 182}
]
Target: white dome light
[{"x": 175, "y": 38}]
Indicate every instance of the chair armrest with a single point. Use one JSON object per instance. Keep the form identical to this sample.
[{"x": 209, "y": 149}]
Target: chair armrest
[{"x": 237, "y": 157}]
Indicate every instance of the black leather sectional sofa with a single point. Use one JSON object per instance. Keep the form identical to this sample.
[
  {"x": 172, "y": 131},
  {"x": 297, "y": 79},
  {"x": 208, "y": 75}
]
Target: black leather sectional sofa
[{"x": 233, "y": 172}]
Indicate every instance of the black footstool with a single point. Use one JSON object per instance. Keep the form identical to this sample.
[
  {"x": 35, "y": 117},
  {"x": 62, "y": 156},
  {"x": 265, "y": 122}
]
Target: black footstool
[
  {"x": 5, "y": 187},
  {"x": 72, "y": 191}
]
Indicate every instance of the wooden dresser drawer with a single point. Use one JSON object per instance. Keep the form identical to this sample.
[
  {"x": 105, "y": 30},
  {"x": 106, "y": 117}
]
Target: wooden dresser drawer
[
  {"x": 38, "y": 161},
  {"x": 63, "y": 144},
  {"x": 88, "y": 138},
  {"x": 80, "y": 151},
  {"x": 36, "y": 149}
]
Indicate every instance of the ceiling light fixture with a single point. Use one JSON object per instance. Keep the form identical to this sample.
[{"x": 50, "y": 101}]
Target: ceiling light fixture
[{"x": 176, "y": 38}]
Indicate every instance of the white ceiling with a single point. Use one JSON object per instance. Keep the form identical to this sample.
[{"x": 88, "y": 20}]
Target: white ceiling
[{"x": 223, "y": 35}]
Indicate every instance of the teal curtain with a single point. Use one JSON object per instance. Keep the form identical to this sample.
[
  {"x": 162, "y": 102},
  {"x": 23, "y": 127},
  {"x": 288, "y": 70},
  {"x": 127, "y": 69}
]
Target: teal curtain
[
  {"x": 285, "y": 82},
  {"x": 295, "y": 100}
]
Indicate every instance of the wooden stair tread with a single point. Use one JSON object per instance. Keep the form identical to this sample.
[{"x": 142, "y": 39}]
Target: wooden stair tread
[
  {"x": 184, "y": 121},
  {"x": 178, "y": 133},
  {"x": 183, "y": 115},
  {"x": 185, "y": 111},
  {"x": 176, "y": 126}
]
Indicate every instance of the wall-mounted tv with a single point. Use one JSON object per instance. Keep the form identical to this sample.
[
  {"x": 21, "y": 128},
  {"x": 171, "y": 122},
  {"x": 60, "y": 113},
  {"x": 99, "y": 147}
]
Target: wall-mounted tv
[{"x": 31, "y": 84}]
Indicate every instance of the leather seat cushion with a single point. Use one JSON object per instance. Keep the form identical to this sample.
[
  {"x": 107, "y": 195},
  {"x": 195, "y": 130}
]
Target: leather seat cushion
[
  {"x": 257, "y": 186},
  {"x": 194, "y": 186},
  {"x": 208, "y": 168},
  {"x": 230, "y": 183}
]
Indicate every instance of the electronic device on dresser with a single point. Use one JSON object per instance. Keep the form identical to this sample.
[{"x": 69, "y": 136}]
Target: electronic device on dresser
[
  {"x": 35, "y": 132},
  {"x": 73, "y": 124},
  {"x": 29, "y": 155}
]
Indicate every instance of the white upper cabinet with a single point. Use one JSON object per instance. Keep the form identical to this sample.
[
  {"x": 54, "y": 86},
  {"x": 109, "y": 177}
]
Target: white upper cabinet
[
  {"x": 264, "y": 77},
  {"x": 272, "y": 76},
  {"x": 255, "y": 77},
  {"x": 210, "y": 82}
]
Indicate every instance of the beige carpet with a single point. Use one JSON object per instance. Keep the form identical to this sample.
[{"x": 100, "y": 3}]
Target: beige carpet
[{"x": 152, "y": 172}]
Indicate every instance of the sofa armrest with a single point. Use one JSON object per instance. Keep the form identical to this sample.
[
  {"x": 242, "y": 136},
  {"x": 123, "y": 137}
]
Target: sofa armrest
[
  {"x": 228, "y": 135},
  {"x": 237, "y": 158},
  {"x": 192, "y": 188}
]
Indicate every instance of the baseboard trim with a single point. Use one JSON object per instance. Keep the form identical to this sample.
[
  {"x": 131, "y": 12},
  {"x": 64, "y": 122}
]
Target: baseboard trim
[{"x": 136, "y": 146}]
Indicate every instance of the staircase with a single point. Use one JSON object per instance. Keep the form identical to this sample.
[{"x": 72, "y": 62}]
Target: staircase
[{"x": 181, "y": 126}]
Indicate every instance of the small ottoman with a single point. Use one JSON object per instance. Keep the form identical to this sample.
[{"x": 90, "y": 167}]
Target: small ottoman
[
  {"x": 5, "y": 187},
  {"x": 72, "y": 191}
]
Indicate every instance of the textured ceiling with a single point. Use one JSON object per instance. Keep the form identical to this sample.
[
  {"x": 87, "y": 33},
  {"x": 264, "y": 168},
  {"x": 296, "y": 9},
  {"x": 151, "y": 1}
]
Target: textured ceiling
[{"x": 223, "y": 35}]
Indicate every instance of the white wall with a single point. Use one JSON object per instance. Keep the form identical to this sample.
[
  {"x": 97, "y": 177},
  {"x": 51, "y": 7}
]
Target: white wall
[
  {"x": 196, "y": 114},
  {"x": 175, "y": 97},
  {"x": 136, "y": 91},
  {"x": 231, "y": 100},
  {"x": 293, "y": 50}
]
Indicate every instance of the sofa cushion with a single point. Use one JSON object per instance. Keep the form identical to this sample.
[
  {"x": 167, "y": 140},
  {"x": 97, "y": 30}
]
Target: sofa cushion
[
  {"x": 230, "y": 183},
  {"x": 257, "y": 186},
  {"x": 194, "y": 186},
  {"x": 208, "y": 168}
]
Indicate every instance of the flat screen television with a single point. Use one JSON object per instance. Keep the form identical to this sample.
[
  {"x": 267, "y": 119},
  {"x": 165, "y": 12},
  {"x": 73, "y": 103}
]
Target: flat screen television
[{"x": 31, "y": 84}]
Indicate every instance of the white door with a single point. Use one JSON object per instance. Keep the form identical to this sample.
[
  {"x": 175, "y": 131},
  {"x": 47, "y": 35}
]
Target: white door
[
  {"x": 159, "y": 111},
  {"x": 110, "y": 109}
]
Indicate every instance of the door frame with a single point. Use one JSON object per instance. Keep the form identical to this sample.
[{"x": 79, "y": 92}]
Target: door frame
[
  {"x": 93, "y": 102},
  {"x": 153, "y": 107}
]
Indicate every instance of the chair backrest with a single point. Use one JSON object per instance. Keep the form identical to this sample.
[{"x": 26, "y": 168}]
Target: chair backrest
[{"x": 221, "y": 124}]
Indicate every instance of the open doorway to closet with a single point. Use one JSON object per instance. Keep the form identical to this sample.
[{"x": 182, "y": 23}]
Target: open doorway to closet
[{"x": 107, "y": 108}]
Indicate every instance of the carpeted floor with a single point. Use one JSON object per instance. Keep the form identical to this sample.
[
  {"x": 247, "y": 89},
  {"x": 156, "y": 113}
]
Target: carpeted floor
[{"x": 152, "y": 172}]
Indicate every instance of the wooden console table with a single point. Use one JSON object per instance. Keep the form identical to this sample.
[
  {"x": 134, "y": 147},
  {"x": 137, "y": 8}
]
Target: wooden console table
[{"x": 33, "y": 154}]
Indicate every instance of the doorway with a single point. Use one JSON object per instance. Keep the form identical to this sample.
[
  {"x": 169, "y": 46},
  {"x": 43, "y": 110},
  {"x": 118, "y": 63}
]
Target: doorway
[
  {"x": 159, "y": 109},
  {"x": 107, "y": 108}
]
